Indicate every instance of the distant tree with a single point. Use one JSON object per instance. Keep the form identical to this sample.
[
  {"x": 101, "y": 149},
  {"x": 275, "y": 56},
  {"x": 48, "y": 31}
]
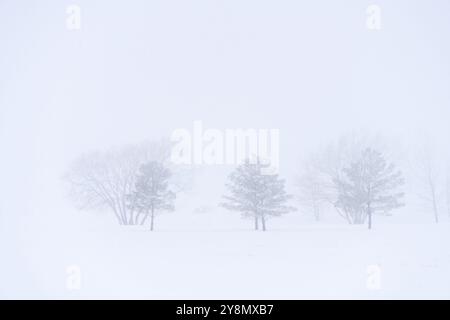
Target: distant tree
[
  {"x": 369, "y": 186},
  {"x": 151, "y": 192},
  {"x": 256, "y": 195},
  {"x": 313, "y": 190},
  {"x": 428, "y": 173},
  {"x": 101, "y": 180},
  {"x": 317, "y": 188},
  {"x": 104, "y": 180}
]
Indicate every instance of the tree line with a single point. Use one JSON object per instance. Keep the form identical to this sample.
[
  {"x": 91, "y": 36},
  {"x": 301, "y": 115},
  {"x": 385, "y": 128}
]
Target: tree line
[{"x": 354, "y": 177}]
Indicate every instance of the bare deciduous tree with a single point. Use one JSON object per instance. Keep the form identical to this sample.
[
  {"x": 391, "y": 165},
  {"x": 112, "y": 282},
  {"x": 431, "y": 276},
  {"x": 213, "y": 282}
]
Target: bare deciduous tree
[
  {"x": 428, "y": 176},
  {"x": 104, "y": 180},
  {"x": 313, "y": 189}
]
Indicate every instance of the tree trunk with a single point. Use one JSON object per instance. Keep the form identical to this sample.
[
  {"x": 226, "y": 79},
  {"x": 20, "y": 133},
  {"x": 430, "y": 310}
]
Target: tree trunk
[
  {"x": 144, "y": 218},
  {"x": 138, "y": 215},
  {"x": 316, "y": 213},
  {"x": 152, "y": 219},
  {"x": 263, "y": 222},
  {"x": 433, "y": 199},
  {"x": 256, "y": 223},
  {"x": 359, "y": 217},
  {"x": 116, "y": 214},
  {"x": 435, "y": 209},
  {"x": 436, "y": 214},
  {"x": 448, "y": 204},
  {"x": 131, "y": 219},
  {"x": 448, "y": 196},
  {"x": 369, "y": 213}
]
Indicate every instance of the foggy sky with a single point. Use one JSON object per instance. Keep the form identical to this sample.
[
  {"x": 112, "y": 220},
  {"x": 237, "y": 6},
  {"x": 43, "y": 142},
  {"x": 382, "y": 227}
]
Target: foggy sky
[{"x": 138, "y": 70}]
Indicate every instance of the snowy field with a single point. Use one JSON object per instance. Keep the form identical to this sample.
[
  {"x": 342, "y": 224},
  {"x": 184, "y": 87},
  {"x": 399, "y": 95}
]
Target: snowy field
[{"x": 293, "y": 260}]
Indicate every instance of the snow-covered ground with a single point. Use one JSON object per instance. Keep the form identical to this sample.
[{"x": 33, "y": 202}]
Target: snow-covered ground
[{"x": 202, "y": 260}]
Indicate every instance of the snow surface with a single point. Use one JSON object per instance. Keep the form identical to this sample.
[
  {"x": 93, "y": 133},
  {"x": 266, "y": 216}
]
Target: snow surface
[{"x": 202, "y": 260}]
